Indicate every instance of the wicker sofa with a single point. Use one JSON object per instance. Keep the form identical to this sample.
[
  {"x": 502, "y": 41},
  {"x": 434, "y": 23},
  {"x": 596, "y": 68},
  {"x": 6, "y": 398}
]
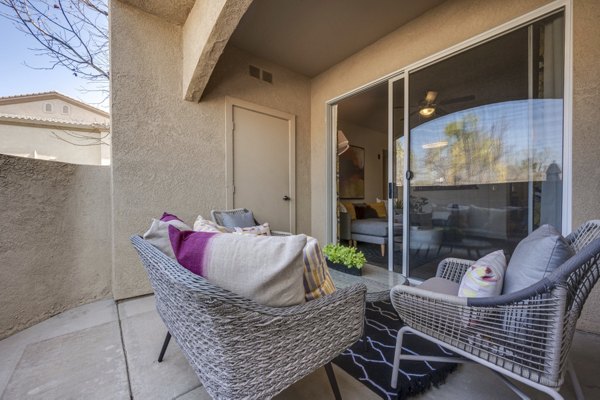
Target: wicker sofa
[
  {"x": 524, "y": 335},
  {"x": 240, "y": 349}
]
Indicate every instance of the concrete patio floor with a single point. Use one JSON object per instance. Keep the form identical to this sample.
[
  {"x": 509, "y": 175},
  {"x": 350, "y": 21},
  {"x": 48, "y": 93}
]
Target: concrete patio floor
[{"x": 108, "y": 351}]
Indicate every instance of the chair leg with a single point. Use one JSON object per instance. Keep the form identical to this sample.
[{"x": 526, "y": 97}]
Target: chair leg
[
  {"x": 383, "y": 250},
  {"x": 575, "y": 381},
  {"x": 164, "y": 346},
  {"x": 397, "y": 358},
  {"x": 333, "y": 381}
]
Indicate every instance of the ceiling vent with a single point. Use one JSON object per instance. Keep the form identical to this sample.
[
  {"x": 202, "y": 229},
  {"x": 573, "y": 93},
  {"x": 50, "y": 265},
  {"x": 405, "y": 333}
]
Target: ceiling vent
[
  {"x": 254, "y": 71},
  {"x": 261, "y": 74}
]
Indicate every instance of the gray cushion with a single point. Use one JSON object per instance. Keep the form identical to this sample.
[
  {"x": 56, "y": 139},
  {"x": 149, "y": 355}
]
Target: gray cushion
[
  {"x": 535, "y": 257},
  {"x": 440, "y": 285},
  {"x": 243, "y": 220},
  {"x": 374, "y": 227}
]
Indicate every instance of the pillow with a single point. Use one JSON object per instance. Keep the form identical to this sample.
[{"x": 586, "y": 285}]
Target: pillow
[
  {"x": 268, "y": 270},
  {"x": 350, "y": 209},
  {"x": 158, "y": 234},
  {"x": 243, "y": 220},
  {"x": 379, "y": 208},
  {"x": 317, "y": 281},
  {"x": 204, "y": 225},
  {"x": 535, "y": 257},
  {"x": 263, "y": 229},
  {"x": 363, "y": 211},
  {"x": 485, "y": 277}
]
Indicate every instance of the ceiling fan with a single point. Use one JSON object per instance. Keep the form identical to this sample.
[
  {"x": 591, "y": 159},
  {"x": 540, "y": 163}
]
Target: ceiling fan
[{"x": 428, "y": 107}]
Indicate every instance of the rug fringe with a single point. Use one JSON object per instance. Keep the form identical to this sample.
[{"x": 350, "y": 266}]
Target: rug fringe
[{"x": 421, "y": 384}]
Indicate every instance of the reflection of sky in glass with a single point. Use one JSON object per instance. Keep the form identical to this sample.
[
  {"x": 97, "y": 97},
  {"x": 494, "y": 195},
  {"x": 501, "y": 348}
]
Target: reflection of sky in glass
[{"x": 522, "y": 126}]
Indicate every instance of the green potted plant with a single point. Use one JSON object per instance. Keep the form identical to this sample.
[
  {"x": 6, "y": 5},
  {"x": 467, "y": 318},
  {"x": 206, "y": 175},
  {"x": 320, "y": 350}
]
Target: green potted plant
[{"x": 345, "y": 259}]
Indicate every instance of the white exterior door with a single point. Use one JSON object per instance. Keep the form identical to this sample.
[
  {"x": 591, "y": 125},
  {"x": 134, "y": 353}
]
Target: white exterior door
[{"x": 263, "y": 164}]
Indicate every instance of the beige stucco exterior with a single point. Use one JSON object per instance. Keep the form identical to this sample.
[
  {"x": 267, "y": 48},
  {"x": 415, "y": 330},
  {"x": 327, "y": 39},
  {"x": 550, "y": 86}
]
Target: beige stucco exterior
[
  {"x": 169, "y": 155},
  {"x": 55, "y": 239},
  {"x": 51, "y": 126}
]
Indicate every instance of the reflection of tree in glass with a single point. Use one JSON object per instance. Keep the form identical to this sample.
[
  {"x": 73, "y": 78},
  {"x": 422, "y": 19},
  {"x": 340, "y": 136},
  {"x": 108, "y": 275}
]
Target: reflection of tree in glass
[{"x": 473, "y": 155}]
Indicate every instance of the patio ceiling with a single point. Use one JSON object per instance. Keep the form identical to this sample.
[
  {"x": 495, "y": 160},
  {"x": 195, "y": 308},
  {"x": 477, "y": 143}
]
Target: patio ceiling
[{"x": 310, "y": 36}]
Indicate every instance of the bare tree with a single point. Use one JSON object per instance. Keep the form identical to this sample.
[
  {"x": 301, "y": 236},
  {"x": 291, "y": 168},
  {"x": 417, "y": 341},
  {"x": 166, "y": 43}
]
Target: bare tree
[{"x": 72, "y": 33}]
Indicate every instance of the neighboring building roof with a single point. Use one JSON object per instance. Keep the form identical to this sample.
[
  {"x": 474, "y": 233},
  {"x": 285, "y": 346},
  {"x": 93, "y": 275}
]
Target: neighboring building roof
[
  {"x": 53, "y": 122},
  {"x": 24, "y": 98}
]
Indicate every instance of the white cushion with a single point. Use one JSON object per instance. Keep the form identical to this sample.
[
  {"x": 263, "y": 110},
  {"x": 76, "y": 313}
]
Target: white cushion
[
  {"x": 484, "y": 278},
  {"x": 263, "y": 229},
  {"x": 158, "y": 234},
  {"x": 205, "y": 225}
]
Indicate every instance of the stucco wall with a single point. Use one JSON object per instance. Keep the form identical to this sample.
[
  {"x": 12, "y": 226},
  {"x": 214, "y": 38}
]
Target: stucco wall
[
  {"x": 55, "y": 241},
  {"x": 37, "y": 108},
  {"x": 24, "y": 140},
  {"x": 454, "y": 22},
  {"x": 169, "y": 154},
  {"x": 586, "y": 137}
]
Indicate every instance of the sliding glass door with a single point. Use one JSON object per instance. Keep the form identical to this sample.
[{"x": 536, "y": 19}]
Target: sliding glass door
[
  {"x": 465, "y": 152},
  {"x": 485, "y": 147}
]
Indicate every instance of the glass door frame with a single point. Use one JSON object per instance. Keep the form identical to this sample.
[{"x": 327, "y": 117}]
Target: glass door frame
[
  {"x": 392, "y": 175},
  {"x": 404, "y": 73}
]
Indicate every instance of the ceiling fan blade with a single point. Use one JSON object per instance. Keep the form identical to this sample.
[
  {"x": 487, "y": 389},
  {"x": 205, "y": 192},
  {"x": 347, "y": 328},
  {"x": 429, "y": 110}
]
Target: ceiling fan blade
[
  {"x": 430, "y": 97},
  {"x": 461, "y": 99}
]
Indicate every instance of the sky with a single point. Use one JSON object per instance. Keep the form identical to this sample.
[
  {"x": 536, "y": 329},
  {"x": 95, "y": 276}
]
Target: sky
[{"x": 17, "y": 78}]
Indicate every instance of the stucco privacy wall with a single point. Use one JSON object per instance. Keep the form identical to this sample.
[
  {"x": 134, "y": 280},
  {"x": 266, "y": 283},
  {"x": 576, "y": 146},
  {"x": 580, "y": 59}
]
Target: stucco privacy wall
[
  {"x": 55, "y": 245},
  {"x": 454, "y": 22},
  {"x": 169, "y": 154}
]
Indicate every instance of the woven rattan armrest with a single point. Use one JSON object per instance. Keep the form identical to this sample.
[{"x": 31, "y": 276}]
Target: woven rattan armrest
[{"x": 453, "y": 269}]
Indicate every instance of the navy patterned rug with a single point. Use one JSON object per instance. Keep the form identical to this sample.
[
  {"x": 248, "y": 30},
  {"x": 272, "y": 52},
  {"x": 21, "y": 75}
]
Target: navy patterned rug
[{"x": 373, "y": 365}]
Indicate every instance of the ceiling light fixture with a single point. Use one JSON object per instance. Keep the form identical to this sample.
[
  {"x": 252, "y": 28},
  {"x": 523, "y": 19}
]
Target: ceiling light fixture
[
  {"x": 427, "y": 111},
  {"x": 342, "y": 143},
  {"x": 435, "y": 145}
]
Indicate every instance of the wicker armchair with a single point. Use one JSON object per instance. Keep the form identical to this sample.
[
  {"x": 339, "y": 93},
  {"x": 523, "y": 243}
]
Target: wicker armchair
[
  {"x": 217, "y": 217},
  {"x": 240, "y": 349},
  {"x": 524, "y": 335}
]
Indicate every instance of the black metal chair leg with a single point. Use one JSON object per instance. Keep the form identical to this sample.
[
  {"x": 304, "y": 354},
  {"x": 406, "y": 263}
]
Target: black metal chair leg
[
  {"x": 164, "y": 347},
  {"x": 333, "y": 381}
]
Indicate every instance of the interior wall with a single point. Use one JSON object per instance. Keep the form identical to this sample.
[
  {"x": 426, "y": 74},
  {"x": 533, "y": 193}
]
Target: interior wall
[
  {"x": 374, "y": 144},
  {"x": 169, "y": 154},
  {"x": 55, "y": 241}
]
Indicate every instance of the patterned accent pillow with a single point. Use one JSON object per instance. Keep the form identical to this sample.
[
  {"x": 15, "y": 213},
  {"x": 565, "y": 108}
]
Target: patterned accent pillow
[
  {"x": 484, "y": 278},
  {"x": 317, "y": 281},
  {"x": 262, "y": 229},
  {"x": 205, "y": 225}
]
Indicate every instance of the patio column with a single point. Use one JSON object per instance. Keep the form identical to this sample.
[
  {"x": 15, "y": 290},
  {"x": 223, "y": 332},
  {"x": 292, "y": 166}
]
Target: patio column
[{"x": 205, "y": 34}]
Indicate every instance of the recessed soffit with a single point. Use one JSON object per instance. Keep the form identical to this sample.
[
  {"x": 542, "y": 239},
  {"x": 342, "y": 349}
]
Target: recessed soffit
[{"x": 310, "y": 36}]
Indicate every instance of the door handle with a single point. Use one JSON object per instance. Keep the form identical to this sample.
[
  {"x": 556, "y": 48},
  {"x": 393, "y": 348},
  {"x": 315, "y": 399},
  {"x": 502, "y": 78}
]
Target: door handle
[
  {"x": 409, "y": 175},
  {"x": 286, "y": 198}
]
